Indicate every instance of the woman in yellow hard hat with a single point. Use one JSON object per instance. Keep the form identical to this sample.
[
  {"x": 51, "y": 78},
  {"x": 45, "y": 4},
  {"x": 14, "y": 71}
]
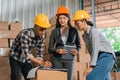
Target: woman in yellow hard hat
[
  {"x": 64, "y": 42},
  {"x": 99, "y": 48},
  {"x": 27, "y": 48}
]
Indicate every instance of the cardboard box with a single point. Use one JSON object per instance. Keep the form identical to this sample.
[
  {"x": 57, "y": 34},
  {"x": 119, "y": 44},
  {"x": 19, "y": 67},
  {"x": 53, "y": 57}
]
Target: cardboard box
[
  {"x": 51, "y": 75},
  {"x": 81, "y": 39},
  {"x": 79, "y": 69},
  {"x": 83, "y": 49},
  {"x": 4, "y": 51},
  {"x": 84, "y": 57},
  {"x": 4, "y": 25},
  {"x": 53, "y": 21},
  {"x": 115, "y": 75},
  {"x": 5, "y": 77},
  {"x": 5, "y": 70},
  {"x": 4, "y": 61},
  {"x": 76, "y": 75},
  {"x": 9, "y": 33},
  {"x": 81, "y": 66},
  {"x": 4, "y": 43},
  {"x": 49, "y": 30},
  {"x": 16, "y": 26}
]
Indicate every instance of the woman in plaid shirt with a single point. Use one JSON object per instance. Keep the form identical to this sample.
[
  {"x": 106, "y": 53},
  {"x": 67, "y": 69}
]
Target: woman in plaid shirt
[{"x": 27, "y": 48}]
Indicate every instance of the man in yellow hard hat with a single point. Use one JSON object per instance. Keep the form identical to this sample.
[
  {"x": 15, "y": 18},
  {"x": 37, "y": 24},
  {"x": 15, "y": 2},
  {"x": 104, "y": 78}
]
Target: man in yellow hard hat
[
  {"x": 27, "y": 48},
  {"x": 99, "y": 48}
]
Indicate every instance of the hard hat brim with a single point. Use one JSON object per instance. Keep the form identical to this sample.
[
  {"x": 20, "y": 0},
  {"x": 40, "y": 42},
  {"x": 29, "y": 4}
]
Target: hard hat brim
[{"x": 42, "y": 25}]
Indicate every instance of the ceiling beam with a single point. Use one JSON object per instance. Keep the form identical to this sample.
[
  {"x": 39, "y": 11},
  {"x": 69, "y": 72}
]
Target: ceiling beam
[{"x": 107, "y": 13}]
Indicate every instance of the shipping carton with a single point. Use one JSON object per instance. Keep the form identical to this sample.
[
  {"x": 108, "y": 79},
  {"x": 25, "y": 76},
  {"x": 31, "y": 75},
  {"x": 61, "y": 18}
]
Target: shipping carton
[
  {"x": 4, "y": 25},
  {"x": 51, "y": 75}
]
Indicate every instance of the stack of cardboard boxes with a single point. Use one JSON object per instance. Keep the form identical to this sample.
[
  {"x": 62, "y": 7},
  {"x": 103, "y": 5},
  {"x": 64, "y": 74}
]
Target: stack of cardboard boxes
[
  {"x": 82, "y": 62},
  {"x": 7, "y": 34},
  {"x": 115, "y": 75}
]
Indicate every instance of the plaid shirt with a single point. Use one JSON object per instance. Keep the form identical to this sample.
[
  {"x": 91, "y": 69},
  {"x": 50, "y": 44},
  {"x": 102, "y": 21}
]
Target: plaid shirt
[{"x": 23, "y": 44}]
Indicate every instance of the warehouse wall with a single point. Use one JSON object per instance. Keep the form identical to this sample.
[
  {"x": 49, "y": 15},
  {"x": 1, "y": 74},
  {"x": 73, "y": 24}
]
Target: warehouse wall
[{"x": 25, "y": 10}]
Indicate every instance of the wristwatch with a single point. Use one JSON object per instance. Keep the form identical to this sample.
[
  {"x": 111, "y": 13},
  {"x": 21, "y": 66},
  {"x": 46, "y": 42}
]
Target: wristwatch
[{"x": 93, "y": 66}]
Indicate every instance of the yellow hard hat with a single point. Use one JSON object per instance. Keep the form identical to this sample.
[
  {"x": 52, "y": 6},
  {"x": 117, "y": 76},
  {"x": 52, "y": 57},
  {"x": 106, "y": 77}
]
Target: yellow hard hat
[
  {"x": 42, "y": 21},
  {"x": 80, "y": 15}
]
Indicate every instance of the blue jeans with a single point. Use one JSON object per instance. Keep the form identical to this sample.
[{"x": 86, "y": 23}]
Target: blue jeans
[
  {"x": 17, "y": 68},
  {"x": 105, "y": 64}
]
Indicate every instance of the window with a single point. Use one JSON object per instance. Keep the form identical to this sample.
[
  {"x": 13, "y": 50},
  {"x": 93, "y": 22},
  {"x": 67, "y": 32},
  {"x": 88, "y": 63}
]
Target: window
[{"x": 113, "y": 35}]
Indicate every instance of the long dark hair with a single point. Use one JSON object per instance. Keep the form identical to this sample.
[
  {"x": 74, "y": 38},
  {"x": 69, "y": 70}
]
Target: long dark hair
[
  {"x": 58, "y": 23},
  {"x": 89, "y": 22}
]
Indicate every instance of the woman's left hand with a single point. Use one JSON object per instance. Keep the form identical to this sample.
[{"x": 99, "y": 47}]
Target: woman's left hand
[{"x": 74, "y": 52}]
